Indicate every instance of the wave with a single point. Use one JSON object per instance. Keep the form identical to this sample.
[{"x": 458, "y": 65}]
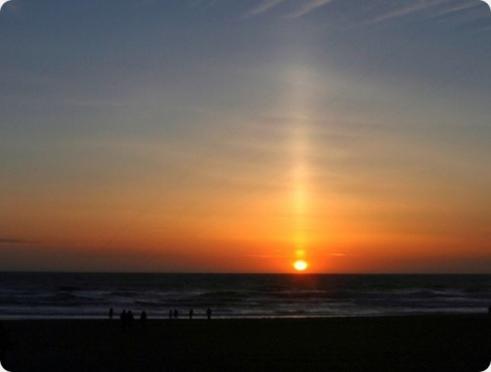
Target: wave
[{"x": 88, "y": 295}]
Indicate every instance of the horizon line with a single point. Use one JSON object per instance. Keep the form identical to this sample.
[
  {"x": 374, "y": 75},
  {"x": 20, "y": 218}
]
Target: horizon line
[{"x": 237, "y": 273}]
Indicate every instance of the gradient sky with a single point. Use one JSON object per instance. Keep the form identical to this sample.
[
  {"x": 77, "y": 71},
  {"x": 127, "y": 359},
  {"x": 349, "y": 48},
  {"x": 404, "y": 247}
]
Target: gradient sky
[{"x": 235, "y": 136}]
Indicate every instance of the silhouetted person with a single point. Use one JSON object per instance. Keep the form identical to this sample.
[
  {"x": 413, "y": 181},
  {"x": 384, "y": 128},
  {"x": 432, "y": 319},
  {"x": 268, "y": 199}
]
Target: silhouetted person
[
  {"x": 123, "y": 316},
  {"x": 191, "y": 313},
  {"x": 489, "y": 311},
  {"x": 143, "y": 316},
  {"x": 130, "y": 317},
  {"x": 111, "y": 313},
  {"x": 208, "y": 313},
  {"x": 176, "y": 314}
]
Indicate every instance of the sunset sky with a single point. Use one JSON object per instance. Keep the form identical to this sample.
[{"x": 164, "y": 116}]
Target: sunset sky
[{"x": 238, "y": 136}]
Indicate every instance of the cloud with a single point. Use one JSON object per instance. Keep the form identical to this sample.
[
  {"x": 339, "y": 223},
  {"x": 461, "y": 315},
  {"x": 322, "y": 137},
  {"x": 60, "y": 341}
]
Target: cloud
[
  {"x": 301, "y": 7},
  {"x": 403, "y": 11},
  {"x": 8, "y": 240},
  {"x": 459, "y": 8},
  {"x": 439, "y": 7},
  {"x": 264, "y": 7},
  {"x": 308, "y": 7},
  {"x": 393, "y": 9},
  {"x": 338, "y": 254}
]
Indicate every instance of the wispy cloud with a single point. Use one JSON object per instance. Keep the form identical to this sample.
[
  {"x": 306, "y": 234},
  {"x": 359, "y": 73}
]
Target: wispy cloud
[
  {"x": 8, "y": 240},
  {"x": 437, "y": 8},
  {"x": 300, "y": 8},
  {"x": 307, "y": 8},
  {"x": 459, "y": 8},
  {"x": 403, "y": 11},
  {"x": 264, "y": 7}
]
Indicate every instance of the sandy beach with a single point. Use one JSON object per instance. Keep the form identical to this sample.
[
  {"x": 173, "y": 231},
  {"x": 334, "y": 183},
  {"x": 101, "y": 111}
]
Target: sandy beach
[{"x": 418, "y": 343}]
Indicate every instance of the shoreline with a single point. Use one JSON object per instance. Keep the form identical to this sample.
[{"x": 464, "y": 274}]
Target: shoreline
[{"x": 217, "y": 317}]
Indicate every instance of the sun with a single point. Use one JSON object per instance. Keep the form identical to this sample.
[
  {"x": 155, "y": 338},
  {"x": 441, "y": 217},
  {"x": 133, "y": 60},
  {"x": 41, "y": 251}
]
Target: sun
[{"x": 300, "y": 265}]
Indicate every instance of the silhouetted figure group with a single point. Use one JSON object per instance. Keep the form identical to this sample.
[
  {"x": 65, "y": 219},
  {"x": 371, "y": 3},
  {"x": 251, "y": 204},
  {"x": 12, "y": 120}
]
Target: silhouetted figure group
[{"x": 127, "y": 317}]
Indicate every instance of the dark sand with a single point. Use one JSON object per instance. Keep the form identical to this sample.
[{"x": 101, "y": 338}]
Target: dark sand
[{"x": 444, "y": 343}]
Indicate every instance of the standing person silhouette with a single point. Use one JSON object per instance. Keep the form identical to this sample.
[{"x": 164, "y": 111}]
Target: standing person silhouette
[
  {"x": 191, "y": 313},
  {"x": 143, "y": 316},
  {"x": 176, "y": 314},
  {"x": 124, "y": 318},
  {"x": 208, "y": 313},
  {"x": 130, "y": 317},
  {"x": 111, "y": 313}
]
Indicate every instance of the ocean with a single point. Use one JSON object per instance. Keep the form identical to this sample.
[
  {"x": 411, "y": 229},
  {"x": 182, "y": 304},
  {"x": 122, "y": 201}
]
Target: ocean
[{"x": 76, "y": 295}]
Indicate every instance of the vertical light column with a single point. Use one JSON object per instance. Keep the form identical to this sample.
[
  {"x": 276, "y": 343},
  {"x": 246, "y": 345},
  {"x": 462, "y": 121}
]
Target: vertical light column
[{"x": 299, "y": 147}]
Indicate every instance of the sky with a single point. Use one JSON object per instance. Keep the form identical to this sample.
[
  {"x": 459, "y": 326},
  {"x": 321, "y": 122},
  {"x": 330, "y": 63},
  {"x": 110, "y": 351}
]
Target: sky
[{"x": 239, "y": 136}]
